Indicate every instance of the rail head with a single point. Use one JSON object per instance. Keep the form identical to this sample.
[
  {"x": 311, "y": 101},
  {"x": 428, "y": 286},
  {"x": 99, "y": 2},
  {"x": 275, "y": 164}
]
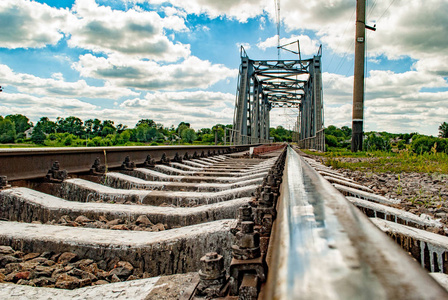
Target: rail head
[{"x": 322, "y": 247}]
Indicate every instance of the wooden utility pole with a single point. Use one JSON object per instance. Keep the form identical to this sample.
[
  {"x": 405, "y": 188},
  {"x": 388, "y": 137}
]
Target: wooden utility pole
[{"x": 358, "y": 87}]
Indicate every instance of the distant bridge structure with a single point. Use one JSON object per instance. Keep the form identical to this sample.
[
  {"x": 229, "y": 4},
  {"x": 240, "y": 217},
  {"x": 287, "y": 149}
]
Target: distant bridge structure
[{"x": 267, "y": 84}]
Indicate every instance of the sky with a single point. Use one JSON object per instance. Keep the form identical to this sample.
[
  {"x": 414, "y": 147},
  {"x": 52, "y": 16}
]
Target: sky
[{"x": 178, "y": 60}]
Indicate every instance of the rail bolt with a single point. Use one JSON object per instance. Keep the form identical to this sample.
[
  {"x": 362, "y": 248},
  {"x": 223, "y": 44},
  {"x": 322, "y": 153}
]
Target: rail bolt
[
  {"x": 212, "y": 266},
  {"x": 212, "y": 276},
  {"x": 177, "y": 158},
  {"x": 97, "y": 168},
  {"x": 4, "y": 182},
  {"x": 149, "y": 162},
  {"x": 127, "y": 164},
  {"x": 245, "y": 213},
  {"x": 247, "y": 242},
  {"x": 55, "y": 174},
  {"x": 186, "y": 156}
]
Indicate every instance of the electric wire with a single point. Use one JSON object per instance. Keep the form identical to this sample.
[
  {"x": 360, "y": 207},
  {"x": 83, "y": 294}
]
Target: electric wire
[
  {"x": 343, "y": 34},
  {"x": 392, "y": 2}
]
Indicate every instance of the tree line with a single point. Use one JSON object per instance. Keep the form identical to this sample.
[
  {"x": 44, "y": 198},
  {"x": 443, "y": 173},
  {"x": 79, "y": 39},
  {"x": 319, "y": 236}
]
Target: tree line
[
  {"x": 72, "y": 131},
  {"x": 384, "y": 141}
]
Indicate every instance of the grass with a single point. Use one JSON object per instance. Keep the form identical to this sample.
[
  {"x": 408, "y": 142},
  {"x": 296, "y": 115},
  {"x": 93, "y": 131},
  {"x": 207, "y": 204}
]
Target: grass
[
  {"x": 381, "y": 162},
  {"x": 19, "y": 145}
]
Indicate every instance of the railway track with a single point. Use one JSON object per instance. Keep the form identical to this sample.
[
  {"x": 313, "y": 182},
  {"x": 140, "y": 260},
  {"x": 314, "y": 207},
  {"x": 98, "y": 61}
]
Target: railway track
[{"x": 138, "y": 223}]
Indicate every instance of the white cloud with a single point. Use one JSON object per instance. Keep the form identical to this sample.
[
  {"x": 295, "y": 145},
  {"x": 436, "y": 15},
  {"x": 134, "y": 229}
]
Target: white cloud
[
  {"x": 237, "y": 9},
  {"x": 57, "y": 87},
  {"x": 29, "y": 24},
  {"x": 393, "y": 101},
  {"x": 307, "y": 45},
  {"x": 36, "y": 107},
  {"x": 148, "y": 75},
  {"x": 200, "y": 108},
  {"x": 412, "y": 28},
  {"x": 132, "y": 32},
  {"x": 246, "y": 46}
]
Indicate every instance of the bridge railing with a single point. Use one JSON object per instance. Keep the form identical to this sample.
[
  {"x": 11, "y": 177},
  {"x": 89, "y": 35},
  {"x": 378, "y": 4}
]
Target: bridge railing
[{"x": 316, "y": 142}]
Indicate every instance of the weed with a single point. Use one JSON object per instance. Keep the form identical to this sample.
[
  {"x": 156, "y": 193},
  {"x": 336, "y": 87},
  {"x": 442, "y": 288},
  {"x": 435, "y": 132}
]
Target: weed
[{"x": 399, "y": 187}]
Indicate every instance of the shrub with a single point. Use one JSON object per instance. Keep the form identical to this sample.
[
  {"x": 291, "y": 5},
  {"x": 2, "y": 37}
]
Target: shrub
[
  {"x": 375, "y": 142},
  {"x": 425, "y": 144},
  {"x": 331, "y": 140},
  {"x": 401, "y": 145}
]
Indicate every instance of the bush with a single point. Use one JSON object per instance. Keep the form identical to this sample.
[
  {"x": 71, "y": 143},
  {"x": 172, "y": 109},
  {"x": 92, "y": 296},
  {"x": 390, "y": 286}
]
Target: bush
[
  {"x": 331, "y": 140},
  {"x": 69, "y": 140},
  {"x": 427, "y": 144},
  {"x": 401, "y": 145},
  {"x": 375, "y": 142},
  {"x": 97, "y": 141}
]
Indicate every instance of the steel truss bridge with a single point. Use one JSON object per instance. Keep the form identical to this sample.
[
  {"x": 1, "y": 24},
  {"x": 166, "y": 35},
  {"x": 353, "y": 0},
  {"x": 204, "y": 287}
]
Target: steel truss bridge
[{"x": 267, "y": 84}]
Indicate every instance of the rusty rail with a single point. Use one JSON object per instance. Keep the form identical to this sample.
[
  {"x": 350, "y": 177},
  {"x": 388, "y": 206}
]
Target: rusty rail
[
  {"x": 30, "y": 163},
  {"x": 268, "y": 148}
]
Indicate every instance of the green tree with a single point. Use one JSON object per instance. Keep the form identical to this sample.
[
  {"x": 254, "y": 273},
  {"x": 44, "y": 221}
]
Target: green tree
[
  {"x": 125, "y": 136},
  {"x": 280, "y": 134},
  {"x": 7, "y": 131},
  {"x": 181, "y": 127},
  {"x": 331, "y": 140},
  {"x": 46, "y": 126},
  {"x": 375, "y": 142},
  {"x": 72, "y": 125},
  {"x": 347, "y": 131},
  {"x": 21, "y": 123},
  {"x": 121, "y": 128},
  {"x": 148, "y": 122},
  {"x": 107, "y": 130},
  {"x": 93, "y": 127},
  {"x": 38, "y": 136},
  {"x": 107, "y": 127},
  {"x": 218, "y": 129},
  {"x": 443, "y": 130},
  {"x": 188, "y": 135}
]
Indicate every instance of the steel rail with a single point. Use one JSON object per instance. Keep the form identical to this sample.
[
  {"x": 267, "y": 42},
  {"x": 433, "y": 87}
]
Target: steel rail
[
  {"x": 31, "y": 163},
  {"x": 322, "y": 247}
]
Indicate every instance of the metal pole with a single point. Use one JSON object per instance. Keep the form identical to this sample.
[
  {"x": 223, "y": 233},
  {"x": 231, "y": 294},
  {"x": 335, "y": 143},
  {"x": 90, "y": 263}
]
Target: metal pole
[{"x": 358, "y": 87}]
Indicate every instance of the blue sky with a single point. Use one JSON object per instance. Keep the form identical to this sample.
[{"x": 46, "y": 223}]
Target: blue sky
[{"x": 178, "y": 60}]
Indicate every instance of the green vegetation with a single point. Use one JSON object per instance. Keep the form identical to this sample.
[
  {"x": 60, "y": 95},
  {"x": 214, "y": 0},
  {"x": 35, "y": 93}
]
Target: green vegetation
[
  {"x": 443, "y": 130},
  {"x": 382, "y": 161},
  {"x": 386, "y": 152},
  {"x": 280, "y": 134},
  {"x": 74, "y": 132}
]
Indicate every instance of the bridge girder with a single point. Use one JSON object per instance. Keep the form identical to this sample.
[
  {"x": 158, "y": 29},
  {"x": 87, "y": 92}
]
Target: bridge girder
[{"x": 267, "y": 84}]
